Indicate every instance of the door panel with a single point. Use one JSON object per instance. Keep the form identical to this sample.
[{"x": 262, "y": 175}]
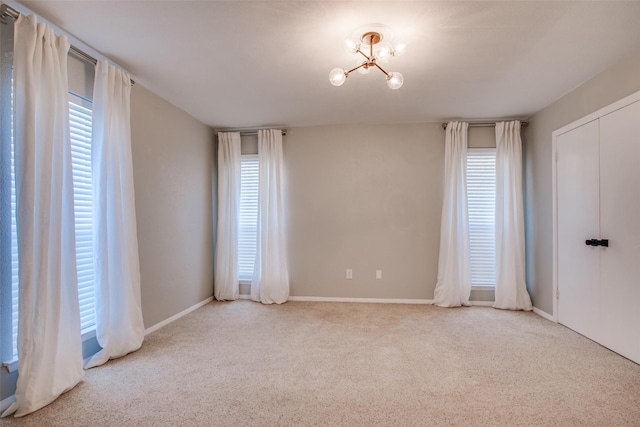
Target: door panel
[
  {"x": 620, "y": 223},
  {"x": 577, "y": 183}
]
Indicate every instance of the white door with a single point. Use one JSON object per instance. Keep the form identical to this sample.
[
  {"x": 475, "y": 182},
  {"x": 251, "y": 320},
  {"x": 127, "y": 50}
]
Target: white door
[
  {"x": 620, "y": 223},
  {"x": 578, "y": 203}
]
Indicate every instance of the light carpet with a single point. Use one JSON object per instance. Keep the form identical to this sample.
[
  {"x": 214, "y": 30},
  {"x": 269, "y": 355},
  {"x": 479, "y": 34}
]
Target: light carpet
[{"x": 346, "y": 364}]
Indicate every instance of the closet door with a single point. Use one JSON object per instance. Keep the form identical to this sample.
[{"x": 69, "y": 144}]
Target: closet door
[
  {"x": 577, "y": 181},
  {"x": 620, "y": 223}
]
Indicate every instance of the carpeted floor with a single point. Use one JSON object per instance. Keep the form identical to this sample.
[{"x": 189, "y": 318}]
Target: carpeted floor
[{"x": 344, "y": 364}]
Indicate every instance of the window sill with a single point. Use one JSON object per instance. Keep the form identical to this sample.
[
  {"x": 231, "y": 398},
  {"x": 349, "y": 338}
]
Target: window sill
[
  {"x": 483, "y": 288},
  {"x": 88, "y": 334},
  {"x": 12, "y": 365}
]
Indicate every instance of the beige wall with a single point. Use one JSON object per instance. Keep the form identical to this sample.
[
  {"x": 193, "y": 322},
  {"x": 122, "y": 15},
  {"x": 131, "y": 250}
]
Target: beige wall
[
  {"x": 367, "y": 198},
  {"x": 81, "y": 76},
  {"x": 173, "y": 165},
  {"x": 481, "y": 137},
  {"x": 614, "y": 83}
]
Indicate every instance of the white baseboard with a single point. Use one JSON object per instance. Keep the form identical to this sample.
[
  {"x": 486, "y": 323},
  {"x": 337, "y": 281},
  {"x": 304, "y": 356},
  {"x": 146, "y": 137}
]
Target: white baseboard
[
  {"x": 363, "y": 300},
  {"x": 177, "y": 316},
  {"x": 380, "y": 300},
  {"x": 374, "y": 300},
  {"x": 543, "y": 314},
  {"x": 5, "y": 403}
]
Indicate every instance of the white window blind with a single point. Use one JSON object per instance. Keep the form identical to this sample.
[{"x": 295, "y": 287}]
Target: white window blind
[
  {"x": 481, "y": 193},
  {"x": 80, "y": 119},
  {"x": 248, "y": 217},
  {"x": 14, "y": 248}
]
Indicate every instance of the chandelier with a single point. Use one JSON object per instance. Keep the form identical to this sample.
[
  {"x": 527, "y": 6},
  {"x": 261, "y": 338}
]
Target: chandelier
[{"x": 375, "y": 40}]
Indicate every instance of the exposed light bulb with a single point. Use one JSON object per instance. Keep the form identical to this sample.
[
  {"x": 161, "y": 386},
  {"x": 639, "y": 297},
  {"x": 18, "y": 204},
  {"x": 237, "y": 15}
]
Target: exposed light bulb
[
  {"x": 337, "y": 76},
  {"x": 383, "y": 51},
  {"x": 400, "y": 49},
  {"x": 395, "y": 80},
  {"x": 364, "y": 70},
  {"x": 350, "y": 46}
]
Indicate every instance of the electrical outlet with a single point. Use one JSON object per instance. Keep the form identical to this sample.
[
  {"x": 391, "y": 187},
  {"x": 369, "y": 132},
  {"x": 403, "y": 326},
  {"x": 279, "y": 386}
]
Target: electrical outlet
[
  {"x": 378, "y": 274},
  {"x": 349, "y": 273}
]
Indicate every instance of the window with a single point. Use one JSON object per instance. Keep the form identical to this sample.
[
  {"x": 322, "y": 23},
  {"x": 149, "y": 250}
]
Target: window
[
  {"x": 14, "y": 248},
  {"x": 248, "y": 217},
  {"x": 80, "y": 119},
  {"x": 481, "y": 194}
]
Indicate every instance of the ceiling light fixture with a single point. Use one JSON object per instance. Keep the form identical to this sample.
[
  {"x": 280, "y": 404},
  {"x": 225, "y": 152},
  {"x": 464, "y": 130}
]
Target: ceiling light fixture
[{"x": 376, "y": 39}]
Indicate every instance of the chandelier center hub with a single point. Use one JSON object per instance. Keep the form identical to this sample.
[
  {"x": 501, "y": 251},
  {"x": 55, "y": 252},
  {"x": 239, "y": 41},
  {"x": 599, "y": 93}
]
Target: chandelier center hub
[{"x": 371, "y": 38}]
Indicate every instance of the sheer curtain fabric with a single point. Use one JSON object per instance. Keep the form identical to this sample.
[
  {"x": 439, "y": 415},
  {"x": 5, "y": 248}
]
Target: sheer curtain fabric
[
  {"x": 453, "y": 287},
  {"x": 226, "y": 271},
  {"x": 511, "y": 288},
  {"x": 270, "y": 282},
  {"x": 119, "y": 325},
  {"x": 49, "y": 342}
]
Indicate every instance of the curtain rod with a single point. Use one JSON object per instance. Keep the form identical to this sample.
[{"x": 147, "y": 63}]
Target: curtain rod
[
  {"x": 248, "y": 132},
  {"x": 8, "y": 11},
  {"x": 483, "y": 124}
]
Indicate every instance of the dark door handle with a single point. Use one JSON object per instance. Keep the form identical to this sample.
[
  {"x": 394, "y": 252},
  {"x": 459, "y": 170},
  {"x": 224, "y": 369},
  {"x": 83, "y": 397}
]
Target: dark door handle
[{"x": 596, "y": 242}]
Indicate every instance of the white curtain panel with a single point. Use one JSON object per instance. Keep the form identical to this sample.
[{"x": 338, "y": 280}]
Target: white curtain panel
[
  {"x": 270, "y": 282},
  {"x": 226, "y": 268},
  {"x": 511, "y": 288},
  {"x": 49, "y": 342},
  {"x": 453, "y": 287},
  {"x": 119, "y": 325}
]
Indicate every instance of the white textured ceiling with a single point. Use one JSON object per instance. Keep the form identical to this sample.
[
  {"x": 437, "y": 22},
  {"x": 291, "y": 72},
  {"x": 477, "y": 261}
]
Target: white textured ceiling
[{"x": 236, "y": 64}]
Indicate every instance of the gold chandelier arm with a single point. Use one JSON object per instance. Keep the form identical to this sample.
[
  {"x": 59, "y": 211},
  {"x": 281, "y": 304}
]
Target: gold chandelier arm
[
  {"x": 353, "y": 69},
  {"x": 363, "y": 54},
  {"x": 380, "y": 68}
]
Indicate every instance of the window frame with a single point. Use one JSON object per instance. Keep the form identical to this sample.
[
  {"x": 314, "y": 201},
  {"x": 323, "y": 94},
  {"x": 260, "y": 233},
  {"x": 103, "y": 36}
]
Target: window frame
[
  {"x": 10, "y": 361},
  {"x": 80, "y": 219},
  {"x": 254, "y": 159},
  {"x": 470, "y": 153},
  {"x": 6, "y": 159}
]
